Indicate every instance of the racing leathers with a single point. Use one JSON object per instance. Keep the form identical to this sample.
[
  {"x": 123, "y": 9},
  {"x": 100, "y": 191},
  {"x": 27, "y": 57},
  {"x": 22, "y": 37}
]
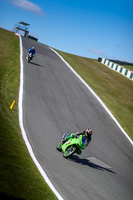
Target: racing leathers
[
  {"x": 32, "y": 51},
  {"x": 77, "y": 134}
]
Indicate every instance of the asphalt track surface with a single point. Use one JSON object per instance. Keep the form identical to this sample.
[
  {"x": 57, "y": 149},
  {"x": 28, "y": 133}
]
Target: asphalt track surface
[{"x": 56, "y": 101}]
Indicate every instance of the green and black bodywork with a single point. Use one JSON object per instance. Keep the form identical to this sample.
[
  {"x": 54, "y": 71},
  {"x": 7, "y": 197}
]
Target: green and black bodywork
[{"x": 72, "y": 145}]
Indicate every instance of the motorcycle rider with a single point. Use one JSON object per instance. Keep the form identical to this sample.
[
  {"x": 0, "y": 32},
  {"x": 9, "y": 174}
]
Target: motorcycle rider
[
  {"x": 32, "y": 50},
  {"x": 87, "y": 133}
]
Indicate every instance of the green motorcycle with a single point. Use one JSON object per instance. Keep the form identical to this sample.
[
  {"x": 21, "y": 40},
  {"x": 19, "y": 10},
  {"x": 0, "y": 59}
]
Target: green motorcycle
[{"x": 72, "y": 145}]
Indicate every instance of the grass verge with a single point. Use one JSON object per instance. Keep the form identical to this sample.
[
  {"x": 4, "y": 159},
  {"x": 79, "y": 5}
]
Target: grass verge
[
  {"x": 129, "y": 67},
  {"x": 115, "y": 90},
  {"x": 19, "y": 176}
]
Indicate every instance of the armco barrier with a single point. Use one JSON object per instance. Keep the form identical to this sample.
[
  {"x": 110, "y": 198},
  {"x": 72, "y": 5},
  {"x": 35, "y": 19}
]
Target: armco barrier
[{"x": 117, "y": 68}]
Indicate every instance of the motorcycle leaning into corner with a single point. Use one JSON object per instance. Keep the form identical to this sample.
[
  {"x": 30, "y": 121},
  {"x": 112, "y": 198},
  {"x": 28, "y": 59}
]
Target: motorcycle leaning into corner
[
  {"x": 29, "y": 57},
  {"x": 72, "y": 145},
  {"x": 31, "y": 53}
]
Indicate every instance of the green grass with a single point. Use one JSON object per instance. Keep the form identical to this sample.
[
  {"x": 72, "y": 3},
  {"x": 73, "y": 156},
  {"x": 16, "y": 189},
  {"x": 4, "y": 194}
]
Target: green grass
[
  {"x": 115, "y": 90},
  {"x": 19, "y": 176},
  {"x": 129, "y": 67}
]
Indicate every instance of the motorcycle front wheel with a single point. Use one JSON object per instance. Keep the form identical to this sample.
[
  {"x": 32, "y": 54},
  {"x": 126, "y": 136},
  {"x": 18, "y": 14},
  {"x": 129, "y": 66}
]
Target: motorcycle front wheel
[
  {"x": 58, "y": 147},
  {"x": 70, "y": 151},
  {"x": 29, "y": 59}
]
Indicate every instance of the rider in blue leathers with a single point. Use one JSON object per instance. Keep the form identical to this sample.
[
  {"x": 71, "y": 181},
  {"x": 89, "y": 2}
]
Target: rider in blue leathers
[{"x": 32, "y": 50}]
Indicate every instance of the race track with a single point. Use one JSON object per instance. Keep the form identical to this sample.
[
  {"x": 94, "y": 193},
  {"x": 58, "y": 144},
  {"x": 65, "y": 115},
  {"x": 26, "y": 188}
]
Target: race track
[{"x": 56, "y": 101}]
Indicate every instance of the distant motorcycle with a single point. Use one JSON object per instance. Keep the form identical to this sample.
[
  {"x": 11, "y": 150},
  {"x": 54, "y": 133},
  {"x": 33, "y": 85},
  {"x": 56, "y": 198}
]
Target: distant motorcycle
[
  {"x": 29, "y": 57},
  {"x": 73, "y": 145}
]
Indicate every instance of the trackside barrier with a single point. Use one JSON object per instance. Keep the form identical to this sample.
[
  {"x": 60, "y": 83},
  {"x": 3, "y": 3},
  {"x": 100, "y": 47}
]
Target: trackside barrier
[{"x": 125, "y": 72}]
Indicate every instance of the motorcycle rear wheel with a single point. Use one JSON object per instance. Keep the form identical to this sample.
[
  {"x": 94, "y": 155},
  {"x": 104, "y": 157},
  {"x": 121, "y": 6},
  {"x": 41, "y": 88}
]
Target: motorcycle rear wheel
[{"x": 70, "y": 151}]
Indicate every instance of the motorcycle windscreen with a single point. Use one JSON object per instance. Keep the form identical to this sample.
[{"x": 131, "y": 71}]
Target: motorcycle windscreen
[{"x": 84, "y": 140}]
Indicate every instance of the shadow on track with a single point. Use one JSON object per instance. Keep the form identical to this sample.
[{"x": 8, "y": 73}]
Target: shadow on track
[
  {"x": 84, "y": 161},
  {"x": 36, "y": 64}
]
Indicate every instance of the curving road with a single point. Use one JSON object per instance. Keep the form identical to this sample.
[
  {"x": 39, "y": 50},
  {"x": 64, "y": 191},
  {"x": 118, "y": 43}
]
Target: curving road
[{"x": 56, "y": 101}]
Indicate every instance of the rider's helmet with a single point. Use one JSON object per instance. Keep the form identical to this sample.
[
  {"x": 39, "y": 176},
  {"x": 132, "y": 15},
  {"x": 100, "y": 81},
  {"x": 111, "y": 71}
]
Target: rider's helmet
[
  {"x": 33, "y": 47},
  {"x": 88, "y": 132}
]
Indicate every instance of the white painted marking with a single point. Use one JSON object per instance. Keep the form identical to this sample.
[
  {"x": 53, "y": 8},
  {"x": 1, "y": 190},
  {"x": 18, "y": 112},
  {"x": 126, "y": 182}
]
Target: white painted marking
[
  {"x": 23, "y": 130},
  {"x": 108, "y": 111},
  {"x": 95, "y": 161}
]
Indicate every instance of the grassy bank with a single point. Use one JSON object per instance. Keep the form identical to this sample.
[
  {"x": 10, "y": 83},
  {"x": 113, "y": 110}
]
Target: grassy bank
[
  {"x": 19, "y": 176},
  {"x": 115, "y": 90},
  {"x": 129, "y": 67}
]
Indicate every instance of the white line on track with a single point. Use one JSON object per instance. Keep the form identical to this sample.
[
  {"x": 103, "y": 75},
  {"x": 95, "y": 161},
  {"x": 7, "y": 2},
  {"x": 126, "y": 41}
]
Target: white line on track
[
  {"x": 108, "y": 111},
  {"x": 23, "y": 130}
]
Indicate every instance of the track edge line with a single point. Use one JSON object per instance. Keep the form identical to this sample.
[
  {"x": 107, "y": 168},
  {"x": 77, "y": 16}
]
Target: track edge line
[
  {"x": 20, "y": 107},
  {"x": 108, "y": 111}
]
